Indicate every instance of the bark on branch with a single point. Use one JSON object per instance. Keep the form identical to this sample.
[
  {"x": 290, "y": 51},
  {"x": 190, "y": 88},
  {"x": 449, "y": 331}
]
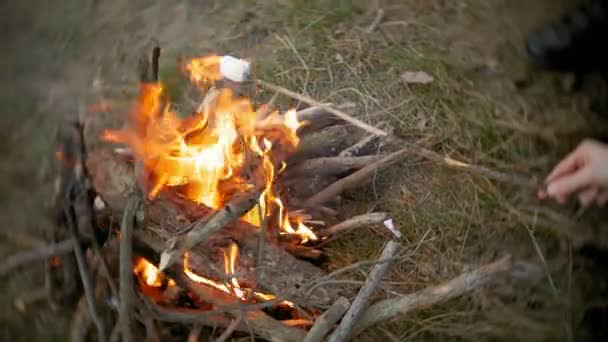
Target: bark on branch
[
  {"x": 390, "y": 308},
  {"x": 356, "y": 179},
  {"x": 355, "y": 222}
]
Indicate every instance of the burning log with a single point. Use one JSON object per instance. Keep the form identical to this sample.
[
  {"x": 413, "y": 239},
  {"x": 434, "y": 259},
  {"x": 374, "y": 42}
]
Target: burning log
[
  {"x": 236, "y": 208},
  {"x": 355, "y": 222},
  {"x": 280, "y": 273},
  {"x": 356, "y": 179},
  {"x": 351, "y": 318}
]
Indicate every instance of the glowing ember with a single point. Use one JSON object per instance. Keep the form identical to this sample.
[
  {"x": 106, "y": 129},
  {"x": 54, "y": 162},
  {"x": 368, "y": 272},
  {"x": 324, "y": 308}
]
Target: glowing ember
[{"x": 207, "y": 153}]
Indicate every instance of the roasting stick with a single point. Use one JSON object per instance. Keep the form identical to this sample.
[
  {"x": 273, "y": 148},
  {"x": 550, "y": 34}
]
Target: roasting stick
[
  {"x": 349, "y": 321},
  {"x": 316, "y": 103},
  {"x": 524, "y": 182}
]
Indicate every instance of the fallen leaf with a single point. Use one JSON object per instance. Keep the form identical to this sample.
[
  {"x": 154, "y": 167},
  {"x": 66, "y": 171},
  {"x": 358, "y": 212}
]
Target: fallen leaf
[{"x": 417, "y": 77}]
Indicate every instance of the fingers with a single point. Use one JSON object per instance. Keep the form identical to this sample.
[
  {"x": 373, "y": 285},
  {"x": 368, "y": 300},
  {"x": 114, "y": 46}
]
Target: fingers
[
  {"x": 569, "y": 164},
  {"x": 566, "y": 185},
  {"x": 588, "y": 196}
]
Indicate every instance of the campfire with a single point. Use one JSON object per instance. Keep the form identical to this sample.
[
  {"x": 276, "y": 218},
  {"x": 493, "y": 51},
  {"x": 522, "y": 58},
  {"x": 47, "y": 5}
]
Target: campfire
[{"x": 215, "y": 215}]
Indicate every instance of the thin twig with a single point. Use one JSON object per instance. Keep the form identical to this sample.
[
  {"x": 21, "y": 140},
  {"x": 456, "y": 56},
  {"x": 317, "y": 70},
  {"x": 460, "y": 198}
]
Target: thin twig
[
  {"x": 22, "y": 258},
  {"x": 125, "y": 307},
  {"x": 376, "y": 21},
  {"x": 316, "y": 103},
  {"x": 351, "y": 318}
]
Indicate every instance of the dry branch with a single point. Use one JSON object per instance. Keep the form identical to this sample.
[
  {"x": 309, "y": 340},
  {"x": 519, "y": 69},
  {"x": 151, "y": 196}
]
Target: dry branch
[
  {"x": 360, "y": 303},
  {"x": 236, "y": 208},
  {"x": 329, "y": 109},
  {"x": 330, "y": 166},
  {"x": 357, "y": 179},
  {"x": 41, "y": 253},
  {"x": 355, "y": 222},
  {"x": 325, "y": 322},
  {"x": 390, "y": 308},
  {"x": 125, "y": 307}
]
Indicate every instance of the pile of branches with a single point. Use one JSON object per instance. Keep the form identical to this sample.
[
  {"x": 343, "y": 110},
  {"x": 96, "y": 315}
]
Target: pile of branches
[{"x": 103, "y": 222}]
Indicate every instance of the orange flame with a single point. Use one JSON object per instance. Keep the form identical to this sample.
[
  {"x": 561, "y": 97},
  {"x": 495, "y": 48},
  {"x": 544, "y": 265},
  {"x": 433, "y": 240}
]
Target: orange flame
[
  {"x": 232, "y": 286},
  {"x": 207, "y": 153},
  {"x": 149, "y": 273}
]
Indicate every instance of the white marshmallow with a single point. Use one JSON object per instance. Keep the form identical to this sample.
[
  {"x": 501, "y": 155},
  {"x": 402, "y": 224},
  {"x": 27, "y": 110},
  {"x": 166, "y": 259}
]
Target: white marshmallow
[{"x": 235, "y": 69}]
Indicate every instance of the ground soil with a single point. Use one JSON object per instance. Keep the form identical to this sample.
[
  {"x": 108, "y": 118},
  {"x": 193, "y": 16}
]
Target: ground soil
[{"x": 485, "y": 106}]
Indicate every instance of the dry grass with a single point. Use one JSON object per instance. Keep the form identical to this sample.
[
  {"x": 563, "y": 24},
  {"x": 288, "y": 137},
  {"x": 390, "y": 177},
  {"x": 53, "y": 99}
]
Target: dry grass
[{"x": 472, "y": 111}]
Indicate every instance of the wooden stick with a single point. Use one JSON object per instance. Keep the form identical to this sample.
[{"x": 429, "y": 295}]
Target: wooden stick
[
  {"x": 360, "y": 303},
  {"x": 155, "y": 64},
  {"x": 330, "y": 166},
  {"x": 85, "y": 277},
  {"x": 329, "y": 109},
  {"x": 41, "y": 253},
  {"x": 357, "y": 179},
  {"x": 125, "y": 307},
  {"x": 325, "y": 322},
  {"x": 390, "y": 308},
  {"x": 355, "y": 222},
  {"x": 236, "y": 208}
]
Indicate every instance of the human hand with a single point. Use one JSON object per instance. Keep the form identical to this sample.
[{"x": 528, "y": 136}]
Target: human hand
[{"x": 584, "y": 171}]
